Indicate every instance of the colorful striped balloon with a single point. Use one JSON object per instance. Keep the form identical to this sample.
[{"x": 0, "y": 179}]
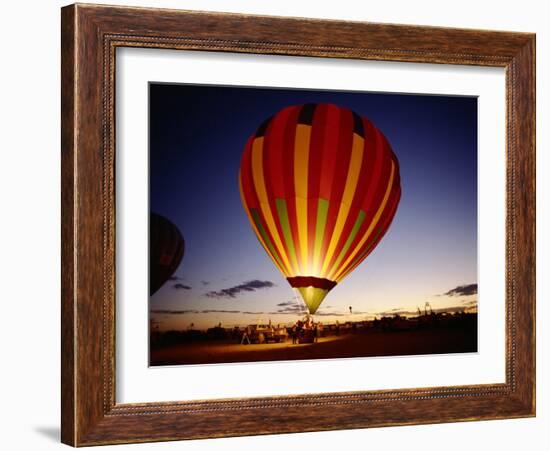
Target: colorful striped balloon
[{"x": 320, "y": 185}]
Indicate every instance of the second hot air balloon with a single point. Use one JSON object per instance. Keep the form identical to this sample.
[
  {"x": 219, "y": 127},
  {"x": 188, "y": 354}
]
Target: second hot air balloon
[
  {"x": 320, "y": 185},
  {"x": 166, "y": 248}
]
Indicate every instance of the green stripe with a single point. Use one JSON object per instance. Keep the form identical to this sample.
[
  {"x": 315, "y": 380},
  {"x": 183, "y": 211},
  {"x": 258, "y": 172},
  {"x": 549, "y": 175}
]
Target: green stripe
[
  {"x": 322, "y": 211},
  {"x": 265, "y": 236},
  {"x": 285, "y": 225},
  {"x": 360, "y": 218}
]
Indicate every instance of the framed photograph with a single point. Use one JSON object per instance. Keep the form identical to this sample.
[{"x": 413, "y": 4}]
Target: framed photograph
[{"x": 279, "y": 225}]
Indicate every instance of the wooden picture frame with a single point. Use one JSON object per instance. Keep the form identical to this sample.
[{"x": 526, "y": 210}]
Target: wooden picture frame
[{"x": 90, "y": 36}]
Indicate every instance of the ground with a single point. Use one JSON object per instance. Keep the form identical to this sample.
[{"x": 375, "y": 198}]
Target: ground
[{"x": 365, "y": 344}]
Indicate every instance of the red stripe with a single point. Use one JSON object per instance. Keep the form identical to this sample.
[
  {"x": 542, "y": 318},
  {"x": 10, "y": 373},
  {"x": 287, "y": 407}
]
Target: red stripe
[
  {"x": 275, "y": 138},
  {"x": 317, "y": 150},
  {"x": 378, "y": 183},
  {"x": 273, "y": 167},
  {"x": 389, "y": 157},
  {"x": 247, "y": 184},
  {"x": 387, "y": 145},
  {"x": 345, "y": 141},
  {"x": 369, "y": 166},
  {"x": 340, "y": 172},
  {"x": 330, "y": 146}
]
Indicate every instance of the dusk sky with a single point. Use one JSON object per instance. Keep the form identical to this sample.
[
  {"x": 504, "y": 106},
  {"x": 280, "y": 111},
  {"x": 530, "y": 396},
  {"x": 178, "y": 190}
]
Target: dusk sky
[{"x": 197, "y": 135}]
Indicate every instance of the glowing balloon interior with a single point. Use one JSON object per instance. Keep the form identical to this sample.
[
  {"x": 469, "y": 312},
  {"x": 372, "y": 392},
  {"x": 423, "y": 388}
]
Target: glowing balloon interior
[{"x": 320, "y": 185}]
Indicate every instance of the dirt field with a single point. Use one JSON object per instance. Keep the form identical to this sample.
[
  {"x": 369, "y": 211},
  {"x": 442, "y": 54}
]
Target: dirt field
[{"x": 366, "y": 344}]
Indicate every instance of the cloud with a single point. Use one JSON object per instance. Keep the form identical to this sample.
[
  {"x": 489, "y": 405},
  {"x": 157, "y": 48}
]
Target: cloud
[
  {"x": 173, "y": 312},
  {"x": 181, "y": 286},
  {"x": 173, "y": 278},
  {"x": 232, "y": 292},
  {"x": 463, "y": 290},
  {"x": 330, "y": 314},
  {"x": 394, "y": 312},
  {"x": 220, "y": 311},
  {"x": 186, "y": 312},
  {"x": 205, "y": 283},
  {"x": 469, "y": 302},
  {"x": 290, "y": 308},
  {"x": 232, "y": 311}
]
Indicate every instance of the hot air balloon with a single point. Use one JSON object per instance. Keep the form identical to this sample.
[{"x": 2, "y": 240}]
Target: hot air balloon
[
  {"x": 320, "y": 185},
  {"x": 166, "y": 247}
]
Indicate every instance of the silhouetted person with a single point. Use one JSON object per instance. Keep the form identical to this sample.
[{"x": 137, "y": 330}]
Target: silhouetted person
[{"x": 294, "y": 333}]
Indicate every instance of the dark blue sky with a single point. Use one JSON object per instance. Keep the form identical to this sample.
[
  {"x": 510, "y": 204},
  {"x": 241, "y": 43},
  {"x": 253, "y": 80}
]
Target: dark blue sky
[{"x": 197, "y": 134}]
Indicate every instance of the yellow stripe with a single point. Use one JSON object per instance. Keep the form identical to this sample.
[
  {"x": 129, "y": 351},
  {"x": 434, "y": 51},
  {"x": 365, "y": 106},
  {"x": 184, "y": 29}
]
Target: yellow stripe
[
  {"x": 256, "y": 231},
  {"x": 349, "y": 191},
  {"x": 259, "y": 186},
  {"x": 372, "y": 224},
  {"x": 301, "y": 157}
]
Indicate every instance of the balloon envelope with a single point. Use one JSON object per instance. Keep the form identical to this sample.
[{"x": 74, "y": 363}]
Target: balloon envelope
[
  {"x": 320, "y": 185},
  {"x": 166, "y": 248}
]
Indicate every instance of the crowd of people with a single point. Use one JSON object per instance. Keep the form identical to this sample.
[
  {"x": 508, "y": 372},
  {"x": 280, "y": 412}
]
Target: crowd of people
[{"x": 306, "y": 331}]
